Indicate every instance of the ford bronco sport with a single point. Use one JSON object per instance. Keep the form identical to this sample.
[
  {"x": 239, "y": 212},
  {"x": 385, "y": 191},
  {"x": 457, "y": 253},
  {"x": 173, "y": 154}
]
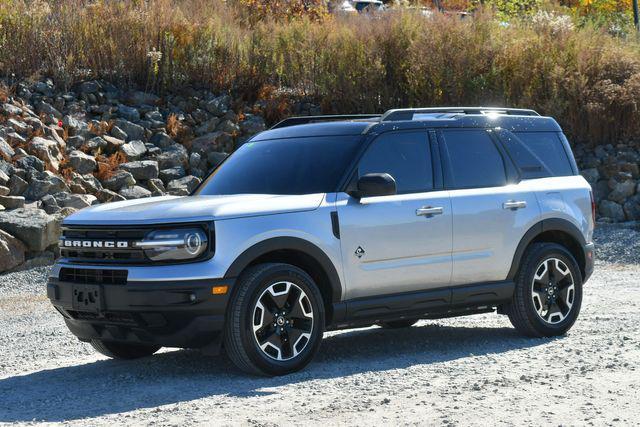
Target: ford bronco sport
[{"x": 335, "y": 222}]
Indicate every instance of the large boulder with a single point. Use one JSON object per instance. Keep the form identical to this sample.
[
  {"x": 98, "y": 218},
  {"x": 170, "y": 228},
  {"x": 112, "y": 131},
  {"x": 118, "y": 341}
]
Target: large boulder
[
  {"x": 34, "y": 227},
  {"x": 12, "y": 202},
  {"x": 611, "y": 210},
  {"x": 214, "y": 141},
  {"x": 81, "y": 162},
  {"x": 132, "y": 130},
  {"x": 133, "y": 150},
  {"x": 620, "y": 191},
  {"x": 118, "y": 180},
  {"x": 6, "y": 152},
  {"x": 170, "y": 174},
  {"x": 143, "y": 170},
  {"x": 43, "y": 184},
  {"x": 135, "y": 192},
  {"x": 46, "y": 150},
  {"x": 17, "y": 186},
  {"x": 76, "y": 201},
  {"x": 11, "y": 251},
  {"x": 176, "y": 155}
]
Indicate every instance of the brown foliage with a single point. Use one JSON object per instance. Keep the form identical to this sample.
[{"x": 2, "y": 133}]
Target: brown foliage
[{"x": 107, "y": 165}]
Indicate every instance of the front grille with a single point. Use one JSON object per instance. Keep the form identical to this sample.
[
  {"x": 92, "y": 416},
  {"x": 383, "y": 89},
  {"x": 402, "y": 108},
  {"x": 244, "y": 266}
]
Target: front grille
[
  {"x": 103, "y": 254},
  {"x": 111, "y": 317},
  {"x": 93, "y": 276}
]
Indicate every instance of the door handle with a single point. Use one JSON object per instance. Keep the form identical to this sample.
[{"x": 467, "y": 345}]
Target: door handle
[
  {"x": 429, "y": 211},
  {"x": 514, "y": 205}
]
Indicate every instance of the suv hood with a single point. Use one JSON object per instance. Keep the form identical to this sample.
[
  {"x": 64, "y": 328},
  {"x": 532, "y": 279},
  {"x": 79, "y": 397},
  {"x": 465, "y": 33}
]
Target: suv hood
[{"x": 168, "y": 209}]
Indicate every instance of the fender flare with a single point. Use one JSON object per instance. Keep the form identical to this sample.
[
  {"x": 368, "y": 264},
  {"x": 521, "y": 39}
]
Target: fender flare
[
  {"x": 551, "y": 224},
  {"x": 288, "y": 243}
]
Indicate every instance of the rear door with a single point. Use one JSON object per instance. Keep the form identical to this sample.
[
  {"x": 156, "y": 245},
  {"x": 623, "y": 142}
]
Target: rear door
[
  {"x": 391, "y": 244},
  {"x": 491, "y": 211}
]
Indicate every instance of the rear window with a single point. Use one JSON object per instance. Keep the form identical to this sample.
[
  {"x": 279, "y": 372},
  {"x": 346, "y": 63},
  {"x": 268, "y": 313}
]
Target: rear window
[
  {"x": 474, "y": 159},
  {"x": 548, "y": 148}
]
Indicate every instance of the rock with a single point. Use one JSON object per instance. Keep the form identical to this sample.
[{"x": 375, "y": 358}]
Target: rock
[
  {"x": 195, "y": 160},
  {"x": 15, "y": 139},
  {"x": 218, "y": 106},
  {"x": 143, "y": 170},
  {"x": 621, "y": 190},
  {"x": 48, "y": 109},
  {"x": 156, "y": 186},
  {"x": 119, "y": 180},
  {"x": 208, "y": 126},
  {"x": 50, "y": 204},
  {"x": 6, "y": 152},
  {"x": 106, "y": 196},
  {"x": 10, "y": 110},
  {"x": 135, "y": 192},
  {"x": 46, "y": 150},
  {"x": 140, "y": 98},
  {"x": 215, "y": 158},
  {"x": 12, "y": 202},
  {"x": 252, "y": 124},
  {"x": 34, "y": 227},
  {"x": 96, "y": 145},
  {"x": 128, "y": 113},
  {"x": 11, "y": 251},
  {"x": 591, "y": 175},
  {"x": 42, "y": 259},
  {"x": 17, "y": 186},
  {"x": 4, "y": 178},
  {"x": 75, "y": 142},
  {"x": 170, "y": 174},
  {"x": 132, "y": 130},
  {"x": 76, "y": 201},
  {"x": 228, "y": 126},
  {"x": 162, "y": 140},
  {"x": 81, "y": 162},
  {"x": 632, "y": 208},
  {"x": 215, "y": 141},
  {"x": 611, "y": 210},
  {"x": 176, "y": 155},
  {"x": 45, "y": 183},
  {"x": 188, "y": 182},
  {"x": 89, "y": 87},
  {"x": 133, "y": 150},
  {"x": 154, "y": 116},
  {"x": 89, "y": 182},
  {"x": 77, "y": 188},
  {"x": 73, "y": 125},
  {"x": 4, "y": 191},
  {"x": 19, "y": 126},
  {"x": 118, "y": 133},
  {"x": 113, "y": 143}
]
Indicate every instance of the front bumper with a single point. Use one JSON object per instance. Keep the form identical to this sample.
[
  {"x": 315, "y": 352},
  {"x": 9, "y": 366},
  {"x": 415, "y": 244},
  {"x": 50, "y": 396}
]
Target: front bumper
[{"x": 182, "y": 314}]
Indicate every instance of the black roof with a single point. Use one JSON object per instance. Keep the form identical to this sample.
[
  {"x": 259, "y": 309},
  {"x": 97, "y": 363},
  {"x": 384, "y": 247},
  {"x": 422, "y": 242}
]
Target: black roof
[{"x": 515, "y": 120}]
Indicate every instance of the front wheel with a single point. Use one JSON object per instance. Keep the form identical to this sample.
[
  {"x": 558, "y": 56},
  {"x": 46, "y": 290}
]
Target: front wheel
[
  {"x": 275, "y": 320},
  {"x": 548, "y": 293}
]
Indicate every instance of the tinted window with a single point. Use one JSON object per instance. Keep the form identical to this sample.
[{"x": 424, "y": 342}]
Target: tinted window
[
  {"x": 549, "y": 149},
  {"x": 403, "y": 155},
  {"x": 284, "y": 166},
  {"x": 474, "y": 159}
]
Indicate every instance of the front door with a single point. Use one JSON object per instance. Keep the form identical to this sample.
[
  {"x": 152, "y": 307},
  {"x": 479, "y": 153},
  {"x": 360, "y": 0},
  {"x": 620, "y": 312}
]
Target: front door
[{"x": 398, "y": 243}]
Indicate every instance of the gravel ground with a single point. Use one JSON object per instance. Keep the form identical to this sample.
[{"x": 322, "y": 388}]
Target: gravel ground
[{"x": 465, "y": 371}]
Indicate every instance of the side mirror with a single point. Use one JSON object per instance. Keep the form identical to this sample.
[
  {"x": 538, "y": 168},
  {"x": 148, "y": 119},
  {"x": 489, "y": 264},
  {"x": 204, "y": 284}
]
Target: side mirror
[{"x": 375, "y": 184}]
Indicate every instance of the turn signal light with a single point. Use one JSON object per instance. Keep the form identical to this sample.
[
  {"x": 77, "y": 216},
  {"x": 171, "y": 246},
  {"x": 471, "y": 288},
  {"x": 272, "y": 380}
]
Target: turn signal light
[{"x": 219, "y": 290}]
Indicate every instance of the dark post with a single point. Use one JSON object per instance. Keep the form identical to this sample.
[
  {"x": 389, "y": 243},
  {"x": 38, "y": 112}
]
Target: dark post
[{"x": 636, "y": 15}]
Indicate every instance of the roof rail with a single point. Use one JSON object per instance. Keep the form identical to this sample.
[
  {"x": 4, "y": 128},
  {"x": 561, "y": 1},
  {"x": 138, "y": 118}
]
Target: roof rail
[
  {"x": 407, "y": 113},
  {"x": 292, "y": 121}
]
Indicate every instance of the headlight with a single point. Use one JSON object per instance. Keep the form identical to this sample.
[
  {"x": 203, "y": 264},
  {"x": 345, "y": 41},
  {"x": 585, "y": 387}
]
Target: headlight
[{"x": 174, "y": 245}]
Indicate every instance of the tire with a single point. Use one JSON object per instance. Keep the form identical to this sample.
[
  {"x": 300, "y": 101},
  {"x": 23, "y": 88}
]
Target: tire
[
  {"x": 118, "y": 350},
  {"x": 398, "y": 324},
  {"x": 260, "y": 342},
  {"x": 548, "y": 292}
]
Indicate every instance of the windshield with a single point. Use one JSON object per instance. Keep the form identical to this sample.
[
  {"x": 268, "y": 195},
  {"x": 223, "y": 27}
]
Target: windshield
[{"x": 284, "y": 166}]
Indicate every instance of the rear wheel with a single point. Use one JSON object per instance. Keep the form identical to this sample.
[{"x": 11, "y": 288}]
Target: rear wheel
[
  {"x": 118, "y": 350},
  {"x": 548, "y": 292},
  {"x": 275, "y": 320},
  {"x": 397, "y": 324}
]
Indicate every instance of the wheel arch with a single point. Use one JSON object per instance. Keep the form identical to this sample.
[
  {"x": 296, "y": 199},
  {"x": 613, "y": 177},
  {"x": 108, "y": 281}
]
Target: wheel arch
[
  {"x": 302, "y": 254},
  {"x": 552, "y": 230}
]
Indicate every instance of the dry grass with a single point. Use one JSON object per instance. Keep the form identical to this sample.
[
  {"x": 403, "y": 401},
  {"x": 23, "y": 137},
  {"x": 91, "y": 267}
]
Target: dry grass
[
  {"x": 107, "y": 165},
  {"x": 585, "y": 78}
]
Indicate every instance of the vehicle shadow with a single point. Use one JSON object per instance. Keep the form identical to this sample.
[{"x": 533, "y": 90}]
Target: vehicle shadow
[{"x": 109, "y": 387}]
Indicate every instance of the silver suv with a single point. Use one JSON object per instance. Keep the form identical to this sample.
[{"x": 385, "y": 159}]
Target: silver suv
[{"x": 337, "y": 222}]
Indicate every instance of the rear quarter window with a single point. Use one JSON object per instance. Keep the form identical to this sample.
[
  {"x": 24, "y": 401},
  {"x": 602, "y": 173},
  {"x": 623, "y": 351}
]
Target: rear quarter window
[{"x": 549, "y": 149}]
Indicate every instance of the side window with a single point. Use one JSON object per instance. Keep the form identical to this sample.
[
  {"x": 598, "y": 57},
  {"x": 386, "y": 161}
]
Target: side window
[
  {"x": 548, "y": 147},
  {"x": 474, "y": 159},
  {"x": 403, "y": 155}
]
